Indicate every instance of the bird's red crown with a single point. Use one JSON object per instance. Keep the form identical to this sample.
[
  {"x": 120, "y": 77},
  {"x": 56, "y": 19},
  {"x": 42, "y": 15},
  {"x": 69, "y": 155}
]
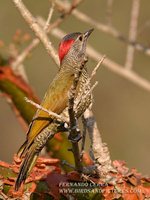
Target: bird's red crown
[
  {"x": 64, "y": 48},
  {"x": 66, "y": 44}
]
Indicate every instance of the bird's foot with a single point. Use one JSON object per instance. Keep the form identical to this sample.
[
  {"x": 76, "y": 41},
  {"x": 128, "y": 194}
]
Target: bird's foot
[
  {"x": 63, "y": 127},
  {"x": 75, "y": 138}
]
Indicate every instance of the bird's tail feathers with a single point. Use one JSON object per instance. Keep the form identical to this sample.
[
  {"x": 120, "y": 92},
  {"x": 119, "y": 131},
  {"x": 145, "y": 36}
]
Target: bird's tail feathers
[
  {"x": 26, "y": 166},
  {"x": 31, "y": 151},
  {"x": 22, "y": 149}
]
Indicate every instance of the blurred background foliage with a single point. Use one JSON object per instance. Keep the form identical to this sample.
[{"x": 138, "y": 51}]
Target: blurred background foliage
[{"x": 121, "y": 108}]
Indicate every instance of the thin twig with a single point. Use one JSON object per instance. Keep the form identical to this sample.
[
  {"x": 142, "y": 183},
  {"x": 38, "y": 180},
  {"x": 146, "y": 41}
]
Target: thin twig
[
  {"x": 66, "y": 12},
  {"x": 3, "y": 196},
  {"x": 19, "y": 69},
  {"x": 94, "y": 71},
  {"x": 97, "y": 67},
  {"x": 47, "y": 28},
  {"x": 59, "y": 117},
  {"x": 66, "y": 7},
  {"x": 87, "y": 178},
  {"x": 111, "y": 65},
  {"x": 111, "y": 31},
  {"x": 103, "y": 27},
  {"x": 84, "y": 93},
  {"x": 31, "y": 21},
  {"x": 49, "y": 16},
  {"x": 132, "y": 33},
  {"x": 90, "y": 91},
  {"x": 20, "y": 58}
]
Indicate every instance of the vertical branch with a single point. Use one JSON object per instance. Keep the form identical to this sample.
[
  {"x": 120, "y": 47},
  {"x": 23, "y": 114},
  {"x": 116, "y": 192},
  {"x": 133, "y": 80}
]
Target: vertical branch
[
  {"x": 99, "y": 150},
  {"x": 74, "y": 135},
  {"x": 132, "y": 33}
]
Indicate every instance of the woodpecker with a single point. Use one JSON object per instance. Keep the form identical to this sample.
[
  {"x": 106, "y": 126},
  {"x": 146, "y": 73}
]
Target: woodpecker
[{"x": 72, "y": 54}]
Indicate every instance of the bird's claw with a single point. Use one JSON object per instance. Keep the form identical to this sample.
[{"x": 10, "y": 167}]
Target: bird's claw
[
  {"x": 75, "y": 139},
  {"x": 63, "y": 127}
]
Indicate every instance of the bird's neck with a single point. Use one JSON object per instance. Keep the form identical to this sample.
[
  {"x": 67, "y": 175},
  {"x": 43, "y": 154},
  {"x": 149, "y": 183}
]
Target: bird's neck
[{"x": 73, "y": 64}]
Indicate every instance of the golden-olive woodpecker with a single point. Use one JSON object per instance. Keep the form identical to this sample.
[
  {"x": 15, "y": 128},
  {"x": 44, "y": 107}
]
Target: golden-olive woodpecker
[{"x": 72, "y": 54}]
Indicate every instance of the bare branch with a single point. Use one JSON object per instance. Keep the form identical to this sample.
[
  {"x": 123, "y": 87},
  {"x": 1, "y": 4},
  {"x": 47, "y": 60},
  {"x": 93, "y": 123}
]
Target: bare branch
[
  {"x": 20, "y": 58},
  {"x": 120, "y": 70},
  {"x": 102, "y": 27},
  {"x": 97, "y": 67},
  {"x": 74, "y": 134},
  {"x": 111, "y": 65},
  {"x": 87, "y": 19},
  {"x": 111, "y": 31},
  {"x": 98, "y": 148},
  {"x": 87, "y": 178},
  {"x": 3, "y": 196},
  {"x": 59, "y": 117},
  {"x": 90, "y": 91},
  {"x": 47, "y": 27},
  {"x": 19, "y": 69},
  {"x": 132, "y": 33},
  {"x": 49, "y": 17},
  {"x": 84, "y": 94},
  {"x": 31, "y": 21}
]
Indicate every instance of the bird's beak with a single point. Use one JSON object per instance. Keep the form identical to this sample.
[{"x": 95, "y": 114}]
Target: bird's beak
[
  {"x": 88, "y": 33},
  {"x": 86, "y": 36}
]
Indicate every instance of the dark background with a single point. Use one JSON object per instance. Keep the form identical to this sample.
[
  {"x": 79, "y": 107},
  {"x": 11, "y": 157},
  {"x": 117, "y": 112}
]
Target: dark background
[{"x": 121, "y": 108}]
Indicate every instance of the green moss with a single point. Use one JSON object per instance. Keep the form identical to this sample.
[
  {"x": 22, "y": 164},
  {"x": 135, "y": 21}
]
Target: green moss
[
  {"x": 6, "y": 172},
  {"x": 26, "y": 110}
]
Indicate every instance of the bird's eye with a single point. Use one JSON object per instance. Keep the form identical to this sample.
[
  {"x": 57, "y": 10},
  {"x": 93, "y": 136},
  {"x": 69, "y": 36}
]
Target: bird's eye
[{"x": 80, "y": 38}]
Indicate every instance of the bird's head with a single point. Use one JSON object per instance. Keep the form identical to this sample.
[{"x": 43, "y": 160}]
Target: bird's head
[{"x": 72, "y": 47}]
